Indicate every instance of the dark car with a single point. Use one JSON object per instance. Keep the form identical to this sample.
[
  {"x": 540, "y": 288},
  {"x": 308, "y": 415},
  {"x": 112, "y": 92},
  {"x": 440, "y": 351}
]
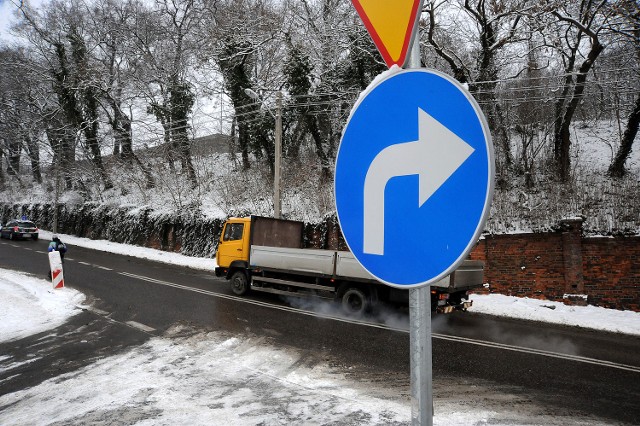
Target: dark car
[{"x": 15, "y": 229}]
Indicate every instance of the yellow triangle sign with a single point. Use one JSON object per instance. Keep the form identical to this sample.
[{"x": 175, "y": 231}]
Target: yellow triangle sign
[{"x": 391, "y": 25}]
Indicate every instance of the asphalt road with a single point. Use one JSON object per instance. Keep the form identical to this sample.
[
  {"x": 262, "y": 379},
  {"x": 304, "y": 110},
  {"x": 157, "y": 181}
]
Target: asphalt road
[{"x": 564, "y": 369}]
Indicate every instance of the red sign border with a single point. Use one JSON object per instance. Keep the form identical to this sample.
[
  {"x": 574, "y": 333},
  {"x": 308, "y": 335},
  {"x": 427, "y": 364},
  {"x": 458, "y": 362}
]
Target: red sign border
[{"x": 413, "y": 23}]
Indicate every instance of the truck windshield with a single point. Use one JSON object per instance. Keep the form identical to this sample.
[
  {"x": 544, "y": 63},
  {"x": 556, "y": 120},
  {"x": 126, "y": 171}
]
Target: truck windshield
[{"x": 233, "y": 231}]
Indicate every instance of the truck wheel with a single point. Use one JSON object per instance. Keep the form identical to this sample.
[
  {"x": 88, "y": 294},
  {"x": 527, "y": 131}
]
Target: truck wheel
[
  {"x": 239, "y": 283},
  {"x": 355, "y": 302}
]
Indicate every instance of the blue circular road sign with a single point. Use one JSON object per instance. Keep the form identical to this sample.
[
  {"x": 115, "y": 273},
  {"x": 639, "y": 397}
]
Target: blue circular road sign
[{"x": 414, "y": 177}]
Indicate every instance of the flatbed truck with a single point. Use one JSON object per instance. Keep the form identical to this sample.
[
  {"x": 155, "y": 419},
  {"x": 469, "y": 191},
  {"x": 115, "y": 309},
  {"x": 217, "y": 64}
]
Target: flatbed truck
[{"x": 266, "y": 255}]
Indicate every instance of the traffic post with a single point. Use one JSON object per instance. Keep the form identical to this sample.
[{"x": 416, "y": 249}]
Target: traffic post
[
  {"x": 55, "y": 266},
  {"x": 415, "y": 150}
]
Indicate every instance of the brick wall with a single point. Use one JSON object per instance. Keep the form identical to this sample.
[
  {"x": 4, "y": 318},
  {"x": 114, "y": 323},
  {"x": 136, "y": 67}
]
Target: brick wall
[
  {"x": 611, "y": 268},
  {"x": 523, "y": 265},
  {"x": 564, "y": 266}
]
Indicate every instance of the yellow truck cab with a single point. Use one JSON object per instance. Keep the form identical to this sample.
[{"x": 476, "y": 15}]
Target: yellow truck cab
[{"x": 233, "y": 248}]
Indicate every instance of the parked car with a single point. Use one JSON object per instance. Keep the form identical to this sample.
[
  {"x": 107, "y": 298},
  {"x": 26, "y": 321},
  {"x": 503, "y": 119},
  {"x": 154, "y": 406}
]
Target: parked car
[{"x": 15, "y": 229}]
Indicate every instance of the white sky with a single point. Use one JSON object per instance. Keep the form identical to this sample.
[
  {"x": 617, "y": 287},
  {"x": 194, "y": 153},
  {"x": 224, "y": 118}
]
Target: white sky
[
  {"x": 215, "y": 378},
  {"x": 6, "y": 10},
  {"x": 7, "y": 16}
]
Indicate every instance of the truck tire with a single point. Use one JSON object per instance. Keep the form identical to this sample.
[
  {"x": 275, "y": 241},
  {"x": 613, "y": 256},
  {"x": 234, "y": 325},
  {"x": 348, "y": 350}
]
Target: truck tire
[
  {"x": 239, "y": 283},
  {"x": 355, "y": 302}
]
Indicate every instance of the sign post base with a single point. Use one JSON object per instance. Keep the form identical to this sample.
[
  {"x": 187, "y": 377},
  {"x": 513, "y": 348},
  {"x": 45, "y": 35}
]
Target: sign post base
[{"x": 421, "y": 358}]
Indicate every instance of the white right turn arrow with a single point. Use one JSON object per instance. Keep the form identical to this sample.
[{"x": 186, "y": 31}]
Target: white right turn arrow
[{"x": 434, "y": 157}]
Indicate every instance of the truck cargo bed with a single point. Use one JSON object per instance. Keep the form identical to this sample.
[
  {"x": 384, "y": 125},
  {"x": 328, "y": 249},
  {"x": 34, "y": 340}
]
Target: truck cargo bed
[
  {"x": 308, "y": 261},
  {"x": 343, "y": 265},
  {"x": 470, "y": 274},
  {"x": 348, "y": 267}
]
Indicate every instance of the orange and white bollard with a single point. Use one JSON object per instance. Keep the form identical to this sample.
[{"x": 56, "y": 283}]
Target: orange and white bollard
[{"x": 55, "y": 263}]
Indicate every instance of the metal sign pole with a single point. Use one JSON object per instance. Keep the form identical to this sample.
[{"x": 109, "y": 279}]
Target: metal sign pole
[
  {"x": 420, "y": 324},
  {"x": 420, "y": 346}
]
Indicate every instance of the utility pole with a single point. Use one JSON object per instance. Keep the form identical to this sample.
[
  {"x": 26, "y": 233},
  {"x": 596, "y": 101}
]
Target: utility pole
[
  {"x": 56, "y": 191},
  {"x": 277, "y": 206}
]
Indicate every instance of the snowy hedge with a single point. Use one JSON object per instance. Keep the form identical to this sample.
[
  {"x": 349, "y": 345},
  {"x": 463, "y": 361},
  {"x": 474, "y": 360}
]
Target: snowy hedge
[{"x": 191, "y": 234}]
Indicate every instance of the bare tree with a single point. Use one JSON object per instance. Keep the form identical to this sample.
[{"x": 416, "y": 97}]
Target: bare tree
[
  {"x": 630, "y": 30},
  {"x": 246, "y": 45},
  {"x": 111, "y": 23},
  {"x": 531, "y": 119},
  {"x": 58, "y": 37},
  {"x": 483, "y": 59},
  {"x": 329, "y": 60},
  {"x": 86, "y": 112},
  {"x": 579, "y": 28},
  {"x": 165, "y": 40},
  {"x": 19, "y": 120},
  {"x": 235, "y": 64}
]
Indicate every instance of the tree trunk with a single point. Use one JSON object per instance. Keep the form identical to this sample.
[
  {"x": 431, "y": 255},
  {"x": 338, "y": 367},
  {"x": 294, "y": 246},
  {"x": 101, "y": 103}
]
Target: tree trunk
[
  {"x": 121, "y": 124},
  {"x": 560, "y": 117},
  {"x": 617, "y": 169},
  {"x": 34, "y": 157},
  {"x": 181, "y": 140},
  {"x": 563, "y": 137},
  {"x": 317, "y": 139},
  {"x": 63, "y": 147},
  {"x": 13, "y": 163},
  {"x": 91, "y": 135},
  {"x": 503, "y": 133},
  {"x": 488, "y": 73},
  {"x": 68, "y": 159},
  {"x": 168, "y": 145},
  {"x": 2, "y": 178},
  {"x": 571, "y": 96},
  {"x": 243, "y": 141}
]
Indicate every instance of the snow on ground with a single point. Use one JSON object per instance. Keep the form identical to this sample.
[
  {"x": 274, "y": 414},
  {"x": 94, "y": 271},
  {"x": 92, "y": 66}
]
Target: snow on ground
[
  {"x": 594, "y": 317},
  {"x": 29, "y": 305},
  {"x": 187, "y": 377},
  {"x": 135, "y": 251},
  {"x": 204, "y": 379}
]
